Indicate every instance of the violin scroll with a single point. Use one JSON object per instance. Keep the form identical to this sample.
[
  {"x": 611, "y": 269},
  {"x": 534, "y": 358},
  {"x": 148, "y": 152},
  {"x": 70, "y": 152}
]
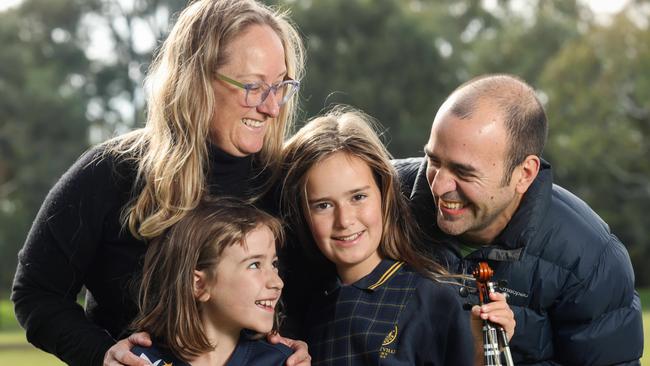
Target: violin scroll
[
  {"x": 495, "y": 341},
  {"x": 483, "y": 273}
]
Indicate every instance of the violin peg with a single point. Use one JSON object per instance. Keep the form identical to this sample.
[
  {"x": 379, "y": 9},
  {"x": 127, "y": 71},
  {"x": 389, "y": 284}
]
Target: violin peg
[
  {"x": 463, "y": 291},
  {"x": 466, "y": 291}
]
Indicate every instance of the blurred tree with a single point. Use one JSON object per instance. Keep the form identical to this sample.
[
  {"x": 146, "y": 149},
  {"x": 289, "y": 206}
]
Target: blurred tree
[
  {"x": 398, "y": 60},
  {"x": 70, "y": 74},
  {"x": 599, "y": 106},
  {"x": 377, "y": 56},
  {"x": 122, "y": 36},
  {"x": 522, "y": 41},
  {"x": 42, "y": 113}
]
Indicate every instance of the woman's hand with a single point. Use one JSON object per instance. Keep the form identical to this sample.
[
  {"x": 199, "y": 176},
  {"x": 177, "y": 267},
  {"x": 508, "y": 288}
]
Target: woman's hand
[
  {"x": 300, "y": 356},
  {"x": 120, "y": 354}
]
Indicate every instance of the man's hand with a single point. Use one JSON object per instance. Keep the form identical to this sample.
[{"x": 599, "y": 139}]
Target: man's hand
[
  {"x": 300, "y": 356},
  {"x": 498, "y": 312},
  {"x": 120, "y": 354}
]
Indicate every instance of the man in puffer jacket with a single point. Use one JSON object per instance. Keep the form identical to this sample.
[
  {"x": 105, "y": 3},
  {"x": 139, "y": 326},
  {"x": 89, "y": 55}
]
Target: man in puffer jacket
[{"x": 484, "y": 194}]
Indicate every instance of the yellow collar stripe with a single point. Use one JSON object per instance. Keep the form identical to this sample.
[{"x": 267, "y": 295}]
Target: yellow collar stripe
[{"x": 388, "y": 274}]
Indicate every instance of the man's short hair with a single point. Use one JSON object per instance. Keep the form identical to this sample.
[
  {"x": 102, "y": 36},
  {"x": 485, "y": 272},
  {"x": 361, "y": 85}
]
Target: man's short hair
[{"x": 523, "y": 114}]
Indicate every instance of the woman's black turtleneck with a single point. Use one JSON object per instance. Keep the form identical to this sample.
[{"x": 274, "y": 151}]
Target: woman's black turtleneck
[{"x": 229, "y": 175}]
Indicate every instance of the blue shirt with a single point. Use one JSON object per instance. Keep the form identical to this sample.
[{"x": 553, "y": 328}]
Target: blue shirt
[
  {"x": 247, "y": 352},
  {"x": 393, "y": 316}
]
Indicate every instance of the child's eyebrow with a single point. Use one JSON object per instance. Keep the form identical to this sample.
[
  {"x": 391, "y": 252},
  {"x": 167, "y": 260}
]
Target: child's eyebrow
[
  {"x": 257, "y": 256},
  {"x": 254, "y": 256},
  {"x": 357, "y": 190},
  {"x": 350, "y": 192}
]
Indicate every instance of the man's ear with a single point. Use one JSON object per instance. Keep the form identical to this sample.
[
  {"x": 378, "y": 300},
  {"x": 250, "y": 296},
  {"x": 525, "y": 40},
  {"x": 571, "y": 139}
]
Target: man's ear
[
  {"x": 201, "y": 292},
  {"x": 527, "y": 173}
]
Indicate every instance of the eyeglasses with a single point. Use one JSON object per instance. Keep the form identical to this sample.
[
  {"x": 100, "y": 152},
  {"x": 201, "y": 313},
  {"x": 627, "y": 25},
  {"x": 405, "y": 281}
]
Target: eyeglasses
[{"x": 256, "y": 93}]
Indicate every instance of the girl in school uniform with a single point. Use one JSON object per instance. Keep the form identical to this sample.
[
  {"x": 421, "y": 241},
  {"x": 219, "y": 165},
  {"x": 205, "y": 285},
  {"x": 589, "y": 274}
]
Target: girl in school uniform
[
  {"x": 210, "y": 286},
  {"x": 383, "y": 303}
]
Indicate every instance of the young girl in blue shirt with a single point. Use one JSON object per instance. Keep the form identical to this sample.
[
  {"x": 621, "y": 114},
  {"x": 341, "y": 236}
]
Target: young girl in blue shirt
[
  {"x": 209, "y": 286},
  {"x": 384, "y": 303}
]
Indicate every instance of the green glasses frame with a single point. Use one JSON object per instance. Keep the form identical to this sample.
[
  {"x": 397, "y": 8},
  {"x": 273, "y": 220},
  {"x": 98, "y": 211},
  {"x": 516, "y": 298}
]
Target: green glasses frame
[{"x": 250, "y": 88}]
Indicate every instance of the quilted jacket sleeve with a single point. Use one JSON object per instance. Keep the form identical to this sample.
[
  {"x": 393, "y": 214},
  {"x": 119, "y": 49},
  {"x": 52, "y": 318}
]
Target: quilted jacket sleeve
[{"x": 598, "y": 321}]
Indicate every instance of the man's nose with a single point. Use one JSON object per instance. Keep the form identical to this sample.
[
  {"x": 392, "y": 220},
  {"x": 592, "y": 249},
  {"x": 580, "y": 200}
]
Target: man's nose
[{"x": 443, "y": 181}]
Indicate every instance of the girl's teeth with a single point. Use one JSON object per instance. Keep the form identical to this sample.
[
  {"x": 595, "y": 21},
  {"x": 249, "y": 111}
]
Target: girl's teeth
[
  {"x": 265, "y": 303},
  {"x": 349, "y": 237}
]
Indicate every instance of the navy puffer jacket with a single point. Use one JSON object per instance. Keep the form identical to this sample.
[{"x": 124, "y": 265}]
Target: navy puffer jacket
[{"x": 570, "y": 280}]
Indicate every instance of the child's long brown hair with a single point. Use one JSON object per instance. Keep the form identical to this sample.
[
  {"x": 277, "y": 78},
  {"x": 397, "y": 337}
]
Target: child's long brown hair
[
  {"x": 350, "y": 131},
  {"x": 168, "y": 309}
]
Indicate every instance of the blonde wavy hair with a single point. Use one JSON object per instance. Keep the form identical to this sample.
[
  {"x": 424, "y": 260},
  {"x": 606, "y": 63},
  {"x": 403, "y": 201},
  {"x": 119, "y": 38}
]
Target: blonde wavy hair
[
  {"x": 171, "y": 151},
  {"x": 350, "y": 131}
]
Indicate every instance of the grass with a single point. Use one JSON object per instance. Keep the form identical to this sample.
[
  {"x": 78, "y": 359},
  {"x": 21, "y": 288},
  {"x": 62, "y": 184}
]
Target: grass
[
  {"x": 25, "y": 357},
  {"x": 14, "y": 349},
  {"x": 645, "y": 360},
  {"x": 12, "y": 337},
  {"x": 644, "y": 294},
  {"x": 7, "y": 319}
]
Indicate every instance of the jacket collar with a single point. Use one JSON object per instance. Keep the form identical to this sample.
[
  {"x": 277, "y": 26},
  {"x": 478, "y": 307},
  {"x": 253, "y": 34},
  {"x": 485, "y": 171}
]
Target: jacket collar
[
  {"x": 532, "y": 209},
  {"x": 383, "y": 272},
  {"x": 524, "y": 223}
]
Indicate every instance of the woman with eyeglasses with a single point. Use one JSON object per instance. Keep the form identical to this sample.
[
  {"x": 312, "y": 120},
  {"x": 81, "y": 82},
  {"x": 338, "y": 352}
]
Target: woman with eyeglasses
[{"x": 221, "y": 97}]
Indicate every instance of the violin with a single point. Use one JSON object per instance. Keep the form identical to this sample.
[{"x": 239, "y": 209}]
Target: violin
[{"x": 496, "y": 351}]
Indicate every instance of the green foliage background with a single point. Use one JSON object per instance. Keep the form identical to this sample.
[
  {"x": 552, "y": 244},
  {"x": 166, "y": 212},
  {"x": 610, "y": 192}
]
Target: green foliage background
[{"x": 395, "y": 59}]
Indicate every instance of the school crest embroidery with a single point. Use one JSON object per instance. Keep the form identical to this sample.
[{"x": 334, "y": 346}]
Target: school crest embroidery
[
  {"x": 386, "y": 349},
  {"x": 157, "y": 363}
]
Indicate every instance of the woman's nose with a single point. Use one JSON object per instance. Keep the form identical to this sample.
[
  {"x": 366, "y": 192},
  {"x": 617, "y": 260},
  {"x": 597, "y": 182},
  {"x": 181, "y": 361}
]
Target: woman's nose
[{"x": 270, "y": 105}]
